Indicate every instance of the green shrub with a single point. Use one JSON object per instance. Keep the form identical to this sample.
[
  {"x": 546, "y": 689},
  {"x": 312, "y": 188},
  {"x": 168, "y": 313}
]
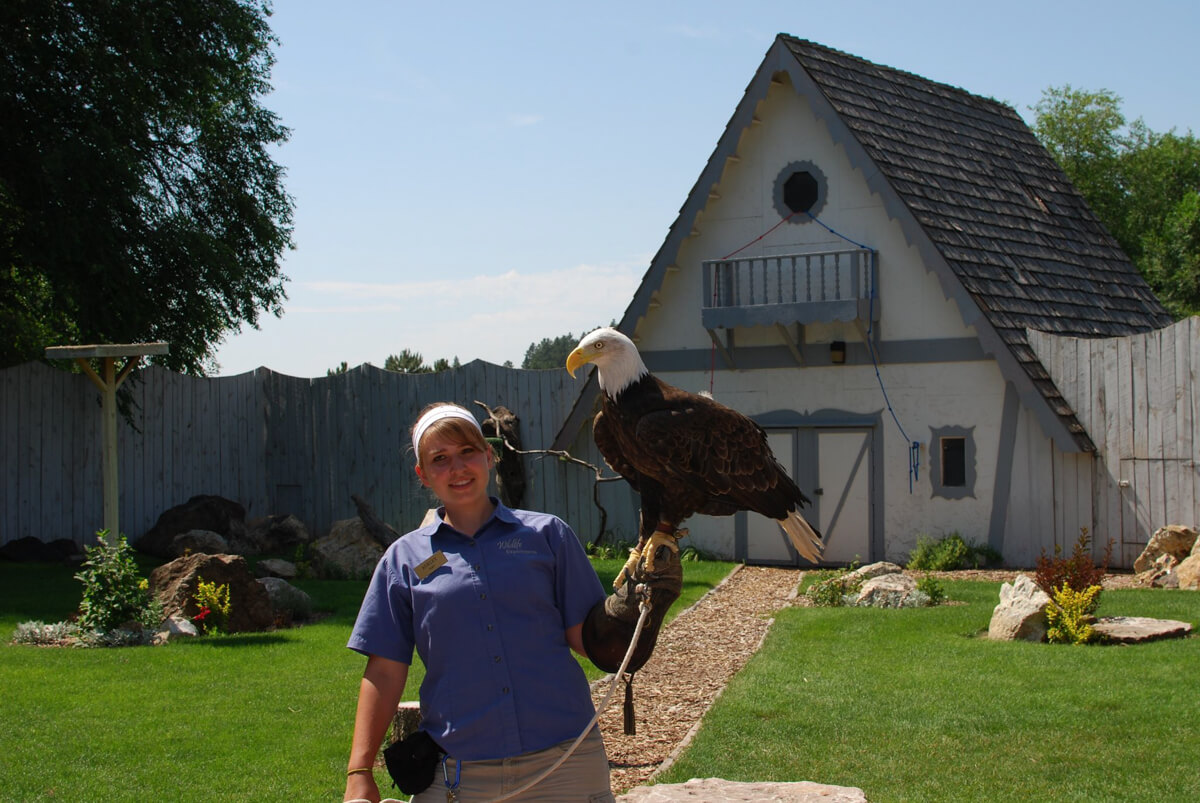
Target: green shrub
[
  {"x": 930, "y": 587},
  {"x": 40, "y": 634},
  {"x": 213, "y": 602},
  {"x": 830, "y": 588},
  {"x": 113, "y": 591},
  {"x": 950, "y": 553}
]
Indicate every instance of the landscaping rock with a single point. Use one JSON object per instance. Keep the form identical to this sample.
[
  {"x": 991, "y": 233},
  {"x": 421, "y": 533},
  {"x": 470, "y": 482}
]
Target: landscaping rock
[
  {"x": 1174, "y": 540},
  {"x": 30, "y": 549},
  {"x": 175, "y": 627},
  {"x": 213, "y": 513},
  {"x": 275, "y": 567},
  {"x": 288, "y": 602},
  {"x": 175, "y": 584},
  {"x": 204, "y": 541},
  {"x": 273, "y": 535},
  {"x": 1136, "y": 629},
  {"x": 888, "y": 591},
  {"x": 349, "y": 552},
  {"x": 1021, "y": 614},
  {"x": 1187, "y": 573},
  {"x": 871, "y": 570},
  {"x": 718, "y": 790}
]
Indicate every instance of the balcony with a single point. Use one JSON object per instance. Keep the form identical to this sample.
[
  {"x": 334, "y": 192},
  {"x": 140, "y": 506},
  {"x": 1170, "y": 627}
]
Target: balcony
[{"x": 819, "y": 286}]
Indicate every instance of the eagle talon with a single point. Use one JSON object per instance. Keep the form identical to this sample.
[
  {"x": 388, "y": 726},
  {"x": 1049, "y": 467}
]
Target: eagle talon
[
  {"x": 627, "y": 571},
  {"x": 660, "y": 539}
]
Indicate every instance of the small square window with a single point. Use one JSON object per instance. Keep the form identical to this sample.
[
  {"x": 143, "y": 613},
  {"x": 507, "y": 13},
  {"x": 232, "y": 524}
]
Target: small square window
[{"x": 952, "y": 462}]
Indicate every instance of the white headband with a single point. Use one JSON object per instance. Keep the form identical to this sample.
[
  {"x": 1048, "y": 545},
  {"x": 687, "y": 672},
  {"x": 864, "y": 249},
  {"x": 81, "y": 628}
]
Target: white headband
[{"x": 437, "y": 414}]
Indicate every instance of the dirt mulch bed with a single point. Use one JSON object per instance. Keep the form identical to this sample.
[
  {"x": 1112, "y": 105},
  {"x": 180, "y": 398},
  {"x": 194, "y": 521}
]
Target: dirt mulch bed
[{"x": 681, "y": 681}]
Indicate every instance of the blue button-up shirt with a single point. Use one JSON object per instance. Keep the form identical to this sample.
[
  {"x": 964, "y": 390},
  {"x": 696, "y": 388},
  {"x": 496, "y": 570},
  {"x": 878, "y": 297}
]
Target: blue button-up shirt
[{"x": 489, "y": 625}]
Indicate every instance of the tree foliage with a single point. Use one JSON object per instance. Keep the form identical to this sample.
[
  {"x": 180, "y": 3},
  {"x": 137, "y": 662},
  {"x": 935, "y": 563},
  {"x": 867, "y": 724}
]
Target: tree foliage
[
  {"x": 1142, "y": 185},
  {"x": 549, "y": 352},
  {"x": 138, "y": 197}
]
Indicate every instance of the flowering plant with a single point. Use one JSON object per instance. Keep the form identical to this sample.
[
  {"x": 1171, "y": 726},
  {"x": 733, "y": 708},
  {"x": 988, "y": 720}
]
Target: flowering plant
[{"x": 214, "y": 605}]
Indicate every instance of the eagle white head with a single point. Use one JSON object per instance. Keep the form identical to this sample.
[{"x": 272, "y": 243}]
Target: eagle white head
[{"x": 618, "y": 364}]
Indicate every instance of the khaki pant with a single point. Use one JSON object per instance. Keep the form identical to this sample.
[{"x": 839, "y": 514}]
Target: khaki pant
[{"x": 582, "y": 778}]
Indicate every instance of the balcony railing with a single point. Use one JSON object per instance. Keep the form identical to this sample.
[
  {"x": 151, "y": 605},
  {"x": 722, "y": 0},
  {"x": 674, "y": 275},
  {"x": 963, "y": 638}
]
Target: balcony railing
[{"x": 790, "y": 288}]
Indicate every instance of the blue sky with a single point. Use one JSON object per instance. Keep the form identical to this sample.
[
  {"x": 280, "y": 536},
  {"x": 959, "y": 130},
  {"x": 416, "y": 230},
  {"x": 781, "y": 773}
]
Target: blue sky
[{"x": 471, "y": 177}]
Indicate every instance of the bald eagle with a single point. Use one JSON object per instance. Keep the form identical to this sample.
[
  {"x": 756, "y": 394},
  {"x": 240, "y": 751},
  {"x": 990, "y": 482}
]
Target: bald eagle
[{"x": 684, "y": 453}]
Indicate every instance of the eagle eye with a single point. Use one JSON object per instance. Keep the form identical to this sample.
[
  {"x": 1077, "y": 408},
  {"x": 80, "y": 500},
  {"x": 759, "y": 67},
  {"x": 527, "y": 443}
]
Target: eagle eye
[{"x": 599, "y": 345}]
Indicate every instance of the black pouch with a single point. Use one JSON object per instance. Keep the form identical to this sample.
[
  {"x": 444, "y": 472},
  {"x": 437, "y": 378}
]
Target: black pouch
[{"x": 412, "y": 762}]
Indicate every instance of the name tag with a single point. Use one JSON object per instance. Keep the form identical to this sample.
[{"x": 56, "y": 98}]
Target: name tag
[{"x": 430, "y": 565}]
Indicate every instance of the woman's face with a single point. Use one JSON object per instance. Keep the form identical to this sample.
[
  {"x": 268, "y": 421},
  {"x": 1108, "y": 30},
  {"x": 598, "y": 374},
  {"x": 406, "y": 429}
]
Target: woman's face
[{"x": 456, "y": 472}]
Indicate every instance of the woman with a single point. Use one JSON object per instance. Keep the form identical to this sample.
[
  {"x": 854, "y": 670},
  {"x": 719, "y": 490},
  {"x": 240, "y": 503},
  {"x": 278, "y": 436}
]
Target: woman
[{"x": 493, "y": 601}]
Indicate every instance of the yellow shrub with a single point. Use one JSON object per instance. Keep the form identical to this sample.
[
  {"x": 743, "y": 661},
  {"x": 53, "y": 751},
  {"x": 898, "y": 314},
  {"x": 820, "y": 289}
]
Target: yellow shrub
[{"x": 1069, "y": 615}]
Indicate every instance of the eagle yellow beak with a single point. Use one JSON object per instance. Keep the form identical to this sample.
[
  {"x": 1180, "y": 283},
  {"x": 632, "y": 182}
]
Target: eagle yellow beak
[{"x": 575, "y": 360}]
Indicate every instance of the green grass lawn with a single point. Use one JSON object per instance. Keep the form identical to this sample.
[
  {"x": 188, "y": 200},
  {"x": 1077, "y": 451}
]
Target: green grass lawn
[
  {"x": 263, "y": 716},
  {"x": 916, "y": 705}
]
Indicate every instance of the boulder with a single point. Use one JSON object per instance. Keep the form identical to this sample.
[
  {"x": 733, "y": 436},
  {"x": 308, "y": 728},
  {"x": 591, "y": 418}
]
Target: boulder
[
  {"x": 1021, "y": 614},
  {"x": 871, "y": 570},
  {"x": 273, "y": 535},
  {"x": 288, "y": 603},
  {"x": 30, "y": 549},
  {"x": 1187, "y": 573},
  {"x": 205, "y": 541},
  {"x": 276, "y": 567},
  {"x": 1174, "y": 540},
  {"x": 175, "y": 584},
  {"x": 889, "y": 591},
  {"x": 349, "y": 552},
  {"x": 213, "y": 513}
]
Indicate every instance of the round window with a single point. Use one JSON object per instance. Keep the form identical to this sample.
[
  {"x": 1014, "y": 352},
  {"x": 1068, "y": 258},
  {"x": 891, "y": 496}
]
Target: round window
[{"x": 800, "y": 191}]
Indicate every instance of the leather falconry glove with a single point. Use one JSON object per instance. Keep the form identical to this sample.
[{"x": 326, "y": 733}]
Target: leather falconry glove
[{"x": 610, "y": 624}]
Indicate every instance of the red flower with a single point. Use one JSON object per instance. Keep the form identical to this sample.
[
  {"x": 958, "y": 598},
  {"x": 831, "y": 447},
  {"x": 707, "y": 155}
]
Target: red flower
[{"x": 200, "y": 616}]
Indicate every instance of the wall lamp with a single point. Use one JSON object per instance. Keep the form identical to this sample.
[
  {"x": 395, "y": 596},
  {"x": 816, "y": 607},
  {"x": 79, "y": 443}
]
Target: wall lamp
[{"x": 837, "y": 352}]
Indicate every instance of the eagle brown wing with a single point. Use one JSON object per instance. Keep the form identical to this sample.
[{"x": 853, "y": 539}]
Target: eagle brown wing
[
  {"x": 705, "y": 447},
  {"x": 609, "y": 445}
]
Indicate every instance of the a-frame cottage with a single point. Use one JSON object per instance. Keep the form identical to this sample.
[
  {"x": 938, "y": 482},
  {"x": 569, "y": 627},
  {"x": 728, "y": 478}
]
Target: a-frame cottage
[{"x": 856, "y": 269}]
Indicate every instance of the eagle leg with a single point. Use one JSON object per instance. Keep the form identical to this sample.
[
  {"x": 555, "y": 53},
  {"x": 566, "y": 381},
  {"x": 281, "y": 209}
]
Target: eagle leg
[{"x": 663, "y": 535}]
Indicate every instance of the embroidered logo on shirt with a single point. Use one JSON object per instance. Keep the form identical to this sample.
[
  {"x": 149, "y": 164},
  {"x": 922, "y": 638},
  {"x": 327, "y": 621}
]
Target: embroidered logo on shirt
[{"x": 514, "y": 546}]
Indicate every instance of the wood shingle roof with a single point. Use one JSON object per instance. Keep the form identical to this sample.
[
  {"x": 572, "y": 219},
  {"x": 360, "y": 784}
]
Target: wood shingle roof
[{"x": 1011, "y": 227}]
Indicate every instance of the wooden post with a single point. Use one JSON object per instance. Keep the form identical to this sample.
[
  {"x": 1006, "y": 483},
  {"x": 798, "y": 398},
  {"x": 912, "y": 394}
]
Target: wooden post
[{"x": 108, "y": 380}]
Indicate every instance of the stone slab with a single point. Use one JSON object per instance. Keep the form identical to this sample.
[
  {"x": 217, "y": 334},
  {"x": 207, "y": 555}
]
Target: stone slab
[
  {"x": 718, "y": 790},
  {"x": 1135, "y": 629}
]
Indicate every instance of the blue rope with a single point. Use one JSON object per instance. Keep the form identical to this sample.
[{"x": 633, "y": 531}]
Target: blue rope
[{"x": 914, "y": 447}]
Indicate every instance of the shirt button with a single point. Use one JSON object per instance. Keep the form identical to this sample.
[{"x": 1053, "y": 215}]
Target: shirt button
[
  {"x": 489, "y": 627},
  {"x": 505, "y": 690},
  {"x": 497, "y": 659},
  {"x": 483, "y": 596}
]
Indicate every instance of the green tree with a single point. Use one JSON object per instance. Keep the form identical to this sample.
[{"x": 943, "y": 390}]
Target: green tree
[
  {"x": 406, "y": 362},
  {"x": 341, "y": 369},
  {"x": 138, "y": 197},
  {"x": 1141, "y": 185},
  {"x": 549, "y": 352}
]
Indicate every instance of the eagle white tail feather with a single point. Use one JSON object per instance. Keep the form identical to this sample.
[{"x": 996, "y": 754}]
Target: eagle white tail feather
[{"x": 803, "y": 537}]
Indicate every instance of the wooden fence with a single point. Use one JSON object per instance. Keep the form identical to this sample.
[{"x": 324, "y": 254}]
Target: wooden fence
[
  {"x": 1139, "y": 400},
  {"x": 274, "y": 443}
]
